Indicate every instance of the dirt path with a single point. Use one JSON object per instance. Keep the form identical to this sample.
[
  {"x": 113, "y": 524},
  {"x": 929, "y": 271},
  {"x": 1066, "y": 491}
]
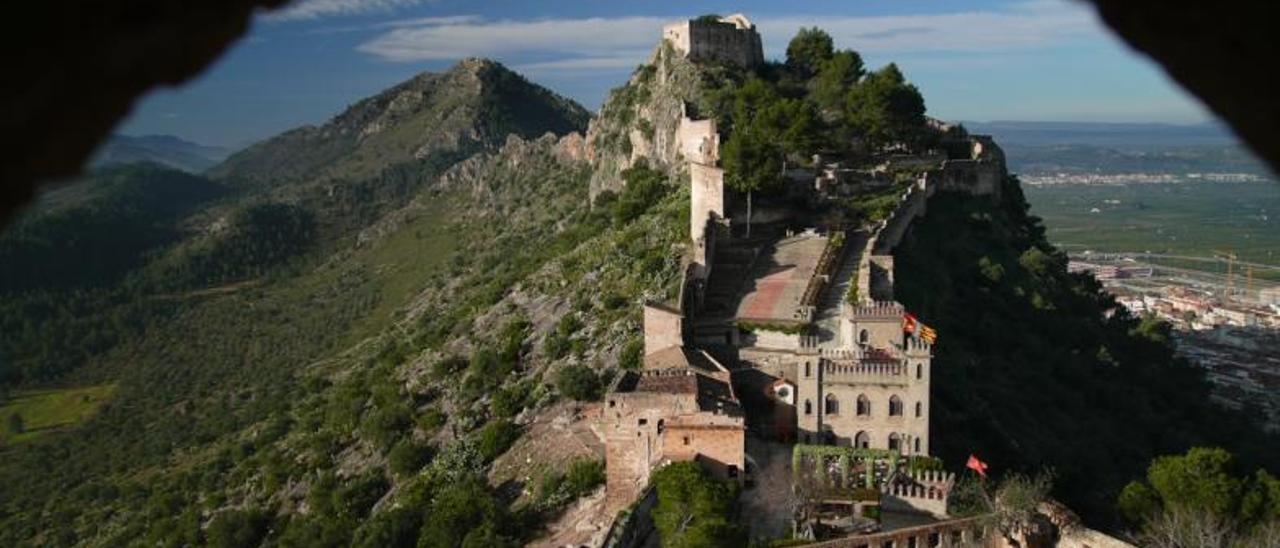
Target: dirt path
[{"x": 767, "y": 507}]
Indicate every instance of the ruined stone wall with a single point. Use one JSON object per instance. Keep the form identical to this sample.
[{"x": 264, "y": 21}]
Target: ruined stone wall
[
  {"x": 732, "y": 40},
  {"x": 633, "y": 445},
  {"x": 663, "y": 328},
  {"x": 720, "y": 448},
  {"x": 706, "y": 198}
]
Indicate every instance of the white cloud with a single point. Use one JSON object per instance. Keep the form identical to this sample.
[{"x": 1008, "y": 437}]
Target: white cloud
[
  {"x": 594, "y": 37},
  {"x": 316, "y": 9},
  {"x": 599, "y": 43}
]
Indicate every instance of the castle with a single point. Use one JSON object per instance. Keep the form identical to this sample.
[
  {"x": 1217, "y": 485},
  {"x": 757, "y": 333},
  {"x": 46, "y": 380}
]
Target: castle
[
  {"x": 731, "y": 39},
  {"x": 801, "y": 326}
]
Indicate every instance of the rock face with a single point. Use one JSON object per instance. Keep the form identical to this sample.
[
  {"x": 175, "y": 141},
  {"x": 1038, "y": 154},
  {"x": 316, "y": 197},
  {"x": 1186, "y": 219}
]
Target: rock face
[{"x": 641, "y": 119}]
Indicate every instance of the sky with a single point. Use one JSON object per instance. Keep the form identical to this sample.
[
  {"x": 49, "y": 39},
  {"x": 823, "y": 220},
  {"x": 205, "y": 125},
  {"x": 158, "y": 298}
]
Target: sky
[{"x": 982, "y": 60}]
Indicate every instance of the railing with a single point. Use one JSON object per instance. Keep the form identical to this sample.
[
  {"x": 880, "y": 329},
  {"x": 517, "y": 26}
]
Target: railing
[{"x": 955, "y": 532}]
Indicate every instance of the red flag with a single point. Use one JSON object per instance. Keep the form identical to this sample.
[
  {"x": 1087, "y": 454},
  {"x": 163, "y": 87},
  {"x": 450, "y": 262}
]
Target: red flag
[
  {"x": 909, "y": 323},
  {"x": 976, "y": 465}
]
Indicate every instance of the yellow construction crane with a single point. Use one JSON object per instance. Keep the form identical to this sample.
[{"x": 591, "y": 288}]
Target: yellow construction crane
[{"x": 1230, "y": 257}]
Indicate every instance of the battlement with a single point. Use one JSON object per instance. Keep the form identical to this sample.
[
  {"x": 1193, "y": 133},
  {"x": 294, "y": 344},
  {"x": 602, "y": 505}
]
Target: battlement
[
  {"x": 878, "y": 309},
  {"x": 731, "y": 39},
  {"x": 879, "y": 372}
]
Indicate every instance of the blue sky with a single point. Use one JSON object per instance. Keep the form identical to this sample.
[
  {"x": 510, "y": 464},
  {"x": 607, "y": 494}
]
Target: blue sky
[{"x": 978, "y": 60}]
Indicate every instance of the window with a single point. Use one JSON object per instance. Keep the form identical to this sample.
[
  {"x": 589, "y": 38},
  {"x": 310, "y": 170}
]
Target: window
[
  {"x": 919, "y": 409},
  {"x": 917, "y": 446},
  {"x": 864, "y": 337},
  {"x": 864, "y": 406},
  {"x": 612, "y": 403},
  {"x": 807, "y": 371},
  {"x": 808, "y": 407},
  {"x": 642, "y": 422},
  {"x": 894, "y": 442},
  {"x": 862, "y": 440},
  {"x": 919, "y": 371},
  {"x": 661, "y": 425},
  {"x": 895, "y": 406},
  {"x": 686, "y": 440},
  {"x": 833, "y": 405}
]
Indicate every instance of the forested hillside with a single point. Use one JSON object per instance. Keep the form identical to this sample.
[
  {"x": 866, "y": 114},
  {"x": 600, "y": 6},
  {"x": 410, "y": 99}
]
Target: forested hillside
[
  {"x": 329, "y": 338},
  {"x": 290, "y": 354},
  {"x": 1037, "y": 367}
]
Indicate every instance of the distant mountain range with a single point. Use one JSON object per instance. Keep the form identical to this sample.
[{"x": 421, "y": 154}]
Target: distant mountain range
[
  {"x": 166, "y": 150},
  {"x": 1103, "y": 134}
]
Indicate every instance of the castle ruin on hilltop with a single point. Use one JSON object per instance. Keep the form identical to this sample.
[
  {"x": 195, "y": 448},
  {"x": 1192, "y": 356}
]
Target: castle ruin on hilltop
[
  {"x": 796, "y": 334},
  {"x": 731, "y": 39}
]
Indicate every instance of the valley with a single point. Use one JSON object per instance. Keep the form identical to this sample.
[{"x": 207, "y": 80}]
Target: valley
[{"x": 419, "y": 322}]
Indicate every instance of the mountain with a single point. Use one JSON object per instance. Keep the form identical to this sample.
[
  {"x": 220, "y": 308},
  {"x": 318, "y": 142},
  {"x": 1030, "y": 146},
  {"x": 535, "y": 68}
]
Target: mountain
[
  {"x": 471, "y": 107},
  {"x": 166, "y": 150},
  {"x": 372, "y": 332},
  {"x": 1113, "y": 134}
]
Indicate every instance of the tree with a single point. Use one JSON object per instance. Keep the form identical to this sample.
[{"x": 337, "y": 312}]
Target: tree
[
  {"x": 578, "y": 382},
  {"x": 885, "y": 109},
  {"x": 836, "y": 76},
  {"x": 694, "y": 509},
  {"x": 458, "y": 512},
  {"x": 644, "y": 187},
  {"x": 1197, "y": 497},
  {"x": 807, "y": 50}
]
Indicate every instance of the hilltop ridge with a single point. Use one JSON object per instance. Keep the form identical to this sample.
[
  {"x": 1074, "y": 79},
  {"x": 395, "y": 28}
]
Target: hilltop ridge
[
  {"x": 396, "y": 327},
  {"x": 471, "y": 107}
]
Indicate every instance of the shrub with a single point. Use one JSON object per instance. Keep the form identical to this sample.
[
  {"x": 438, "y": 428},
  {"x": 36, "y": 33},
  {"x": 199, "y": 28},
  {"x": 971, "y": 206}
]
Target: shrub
[
  {"x": 236, "y": 528},
  {"x": 632, "y": 355},
  {"x": 496, "y": 437},
  {"x": 407, "y": 457},
  {"x": 432, "y": 419},
  {"x": 584, "y": 476},
  {"x": 579, "y": 382}
]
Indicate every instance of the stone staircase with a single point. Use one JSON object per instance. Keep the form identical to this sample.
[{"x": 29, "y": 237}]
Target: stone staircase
[{"x": 831, "y": 302}]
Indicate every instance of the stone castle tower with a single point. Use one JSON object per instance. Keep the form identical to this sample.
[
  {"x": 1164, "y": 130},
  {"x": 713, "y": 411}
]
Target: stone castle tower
[{"x": 731, "y": 39}]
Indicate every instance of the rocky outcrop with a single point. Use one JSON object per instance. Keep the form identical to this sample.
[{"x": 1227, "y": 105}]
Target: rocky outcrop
[{"x": 641, "y": 119}]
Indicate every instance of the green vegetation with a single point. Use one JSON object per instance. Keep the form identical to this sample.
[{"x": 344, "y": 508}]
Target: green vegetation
[
  {"x": 578, "y": 382},
  {"x": 1030, "y": 370},
  {"x": 1203, "y": 493},
  {"x": 695, "y": 509},
  {"x": 30, "y": 414},
  {"x": 1187, "y": 218}
]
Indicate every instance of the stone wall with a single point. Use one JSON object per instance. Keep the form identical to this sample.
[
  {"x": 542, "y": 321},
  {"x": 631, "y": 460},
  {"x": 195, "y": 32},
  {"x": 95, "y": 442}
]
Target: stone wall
[
  {"x": 732, "y": 40},
  {"x": 663, "y": 328},
  {"x": 719, "y": 448}
]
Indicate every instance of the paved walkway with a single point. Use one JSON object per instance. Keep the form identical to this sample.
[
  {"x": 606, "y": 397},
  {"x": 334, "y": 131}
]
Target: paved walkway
[
  {"x": 768, "y": 506},
  {"x": 828, "y": 313}
]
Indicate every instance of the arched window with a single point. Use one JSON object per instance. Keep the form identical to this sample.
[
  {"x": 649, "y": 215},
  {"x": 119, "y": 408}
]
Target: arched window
[
  {"x": 917, "y": 446},
  {"x": 895, "y": 442},
  {"x": 807, "y": 372},
  {"x": 895, "y": 406},
  {"x": 919, "y": 371},
  {"x": 833, "y": 405},
  {"x": 808, "y": 407},
  {"x": 919, "y": 409},
  {"x": 662, "y": 425},
  {"x": 862, "y": 440},
  {"x": 864, "y": 337},
  {"x": 864, "y": 406}
]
